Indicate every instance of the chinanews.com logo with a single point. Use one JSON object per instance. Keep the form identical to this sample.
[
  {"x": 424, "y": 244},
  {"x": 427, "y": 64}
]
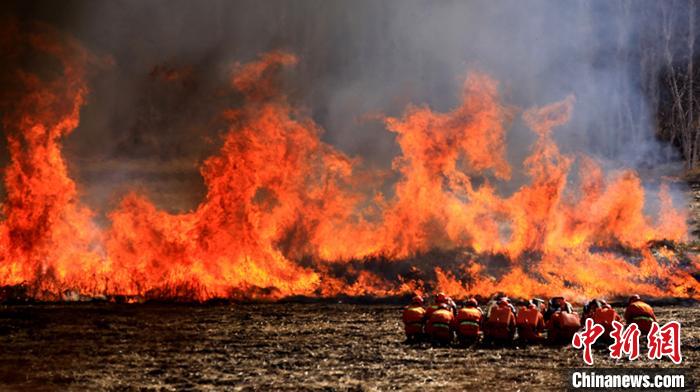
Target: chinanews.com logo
[
  {"x": 662, "y": 342},
  {"x": 633, "y": 379}
]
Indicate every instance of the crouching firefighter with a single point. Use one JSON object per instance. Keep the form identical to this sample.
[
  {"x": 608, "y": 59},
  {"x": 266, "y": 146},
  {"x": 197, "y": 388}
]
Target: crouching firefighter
[
  {"x": 530, "y": 324},
  {"x": 557, "y": 304},
  {"x": 440, "y": 325},
  {"x": 590, "y": 307},
  {"x": 500, "y": 323},
  {"x": 414, "y": 320},
  {"x": 468, "y": 322},
  {"x": 605, "y": 315},
  {"x": 640, "y": 313},
  {"x": 563, "y": 322}
]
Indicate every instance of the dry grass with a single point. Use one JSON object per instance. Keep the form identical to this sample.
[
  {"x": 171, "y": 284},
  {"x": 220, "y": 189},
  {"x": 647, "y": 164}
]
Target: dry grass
[{"x": 271, "y": 346}]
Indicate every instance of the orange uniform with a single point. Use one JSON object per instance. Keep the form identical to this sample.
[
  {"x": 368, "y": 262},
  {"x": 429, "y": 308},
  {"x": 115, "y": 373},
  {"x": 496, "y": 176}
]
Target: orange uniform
[
  {"x": 557, "y": 304},
  {"x": 430, "y": 309},
  {"x": 590, "y": 308},
  {"x": 640, "y": 313},
  {"x": 440, "y": 299},
  {"x": 413, "y": 320},
  {"x": 468, "y": 322},
  {"x": 530, "y": 324},
  {"x": 605, "y": 316},
  {"x": 562, "y": 326},
  {"x": 440, "y": 324},
  {"x": 500, "y": 324}
]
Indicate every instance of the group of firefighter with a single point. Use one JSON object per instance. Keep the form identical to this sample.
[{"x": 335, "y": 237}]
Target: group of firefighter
[{"x": 530, "y": 322}]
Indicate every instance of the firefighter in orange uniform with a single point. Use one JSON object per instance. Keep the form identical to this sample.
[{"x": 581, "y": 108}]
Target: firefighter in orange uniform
[
  {"x": 500, "y": 322},
  {"x": 440, "y": 298},
  {"x": 468, "y": 321},
  {"x": 557, "y": 304},
  {"x": 590, "y": 308},
  {"x": 414, "y": 320},
  {"x": 640, "y": 313},
  {"x": 530, "y": 324},
  {"x": 563, "y": 322},
  {"x": 440, "y": 325},
  {"x": 605, "y": 315}
]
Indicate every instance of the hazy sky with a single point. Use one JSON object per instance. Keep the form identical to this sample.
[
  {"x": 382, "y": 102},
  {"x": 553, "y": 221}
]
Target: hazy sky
[{"x": 356, "y": 58}]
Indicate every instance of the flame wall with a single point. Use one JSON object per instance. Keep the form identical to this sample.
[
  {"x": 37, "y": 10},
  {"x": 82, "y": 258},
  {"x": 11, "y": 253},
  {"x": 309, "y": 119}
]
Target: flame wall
[{"x": 288, "y": 214}]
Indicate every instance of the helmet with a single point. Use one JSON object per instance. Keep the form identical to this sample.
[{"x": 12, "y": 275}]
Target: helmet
[
  {"x": 471, "y": 303},
  {"x": 557, "y": 302},
  {"x": 441, "y": 298},
  {"x": 417, "y": 300},
  {"x": 594, "y": 304},
  {"x": 502, "y": 302},
  {"x": 634, "y": 298}
]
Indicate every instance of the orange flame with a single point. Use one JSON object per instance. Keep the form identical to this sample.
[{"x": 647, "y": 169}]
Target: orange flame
[{"x": 287, "y": 214}]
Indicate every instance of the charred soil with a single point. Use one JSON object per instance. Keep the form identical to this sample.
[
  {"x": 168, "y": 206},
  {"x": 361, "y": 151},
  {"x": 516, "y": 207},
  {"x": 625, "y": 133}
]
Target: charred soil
[{"x": 271, "y": 346}]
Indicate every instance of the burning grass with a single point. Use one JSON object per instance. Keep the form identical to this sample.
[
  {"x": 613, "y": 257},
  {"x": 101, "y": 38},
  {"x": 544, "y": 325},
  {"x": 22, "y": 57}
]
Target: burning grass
[{"x": 286, "y": 214}]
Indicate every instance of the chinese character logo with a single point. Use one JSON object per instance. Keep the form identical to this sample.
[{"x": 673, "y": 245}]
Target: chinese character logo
[
  {"x": 665, "y": 341},
  {"x": 662, "y": 341},
  {"x": 586, "y": 338},
  {"x": 626, "y": 341}
]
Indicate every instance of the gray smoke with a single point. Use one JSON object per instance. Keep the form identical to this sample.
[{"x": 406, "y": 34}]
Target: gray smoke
[{"x": 356, "y": 58}]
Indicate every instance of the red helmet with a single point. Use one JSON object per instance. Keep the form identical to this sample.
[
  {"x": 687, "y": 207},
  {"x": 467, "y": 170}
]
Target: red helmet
[
  {"x": 441, "y": 298},
  {"x": 471, "y": 303},
  {"x": 417, "y": 300},
  {"x": 634, "y": 298}
]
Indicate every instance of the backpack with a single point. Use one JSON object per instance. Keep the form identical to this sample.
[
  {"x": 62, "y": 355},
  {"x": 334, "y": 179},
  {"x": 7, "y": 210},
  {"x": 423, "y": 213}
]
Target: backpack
[
  {"x": 413, "y": 314},
  {"x": 413, "y": 318},
  {"x": 500, "y": 322},
  {"x": 527, "y": 317},
  {"x": 563, "y": 327},
  {"x": 440, "y": 324},
  {"x": 468, "y": 320}
]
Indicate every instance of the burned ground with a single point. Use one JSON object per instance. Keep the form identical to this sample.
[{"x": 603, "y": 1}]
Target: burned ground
[{"x": 269, "y": 346}]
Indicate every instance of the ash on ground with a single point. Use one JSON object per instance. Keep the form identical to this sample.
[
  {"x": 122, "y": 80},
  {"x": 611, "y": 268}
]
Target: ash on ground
[{"x": 272, "y": 346}]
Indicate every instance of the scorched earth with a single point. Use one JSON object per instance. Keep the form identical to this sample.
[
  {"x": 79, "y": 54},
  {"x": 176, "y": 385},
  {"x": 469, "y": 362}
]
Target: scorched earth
[{"x": 287, "y": 346}]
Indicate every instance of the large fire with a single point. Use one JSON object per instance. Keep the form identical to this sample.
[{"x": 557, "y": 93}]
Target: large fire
[{"x": 287, "y": 214}]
